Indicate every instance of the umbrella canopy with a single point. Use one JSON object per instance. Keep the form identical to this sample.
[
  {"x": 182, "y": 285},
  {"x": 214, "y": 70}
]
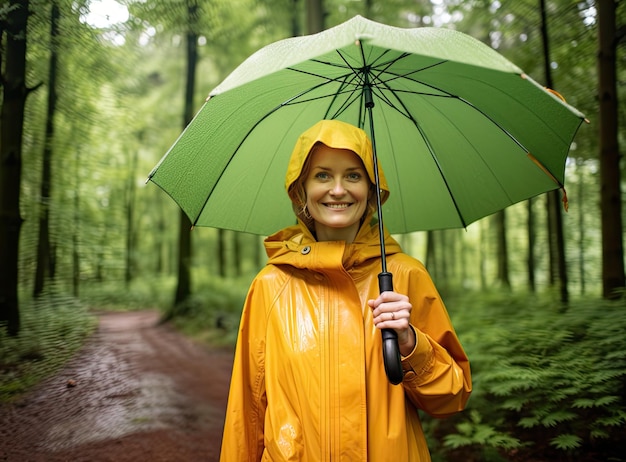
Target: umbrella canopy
[{"x": 460, "y": 131}]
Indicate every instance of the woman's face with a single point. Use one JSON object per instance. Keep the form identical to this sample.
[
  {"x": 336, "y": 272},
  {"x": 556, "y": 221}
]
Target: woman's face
[{"x": 337, "y": 189}]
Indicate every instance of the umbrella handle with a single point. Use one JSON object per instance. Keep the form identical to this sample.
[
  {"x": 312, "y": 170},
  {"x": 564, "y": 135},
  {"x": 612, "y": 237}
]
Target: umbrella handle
[{"x": 391, "y": 351}]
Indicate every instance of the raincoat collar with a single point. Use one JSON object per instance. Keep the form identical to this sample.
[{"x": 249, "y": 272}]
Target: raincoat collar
[{"x": 296, "y": 246}]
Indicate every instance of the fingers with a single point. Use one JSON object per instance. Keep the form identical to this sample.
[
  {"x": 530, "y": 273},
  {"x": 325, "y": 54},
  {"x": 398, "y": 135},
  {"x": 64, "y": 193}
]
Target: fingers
[{"x": 391, "y": 310}]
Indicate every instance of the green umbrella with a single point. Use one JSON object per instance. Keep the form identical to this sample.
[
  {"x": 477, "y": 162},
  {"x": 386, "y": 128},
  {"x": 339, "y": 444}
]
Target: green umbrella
[{"x": 460, "y": 131}]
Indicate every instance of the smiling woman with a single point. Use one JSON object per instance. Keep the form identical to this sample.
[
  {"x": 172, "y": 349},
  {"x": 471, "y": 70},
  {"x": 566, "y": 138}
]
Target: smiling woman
[{"x": 309, "y": 382}]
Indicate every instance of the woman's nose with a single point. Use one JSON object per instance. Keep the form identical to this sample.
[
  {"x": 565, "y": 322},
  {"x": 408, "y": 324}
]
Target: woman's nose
[{"x": 338, "y": 188}]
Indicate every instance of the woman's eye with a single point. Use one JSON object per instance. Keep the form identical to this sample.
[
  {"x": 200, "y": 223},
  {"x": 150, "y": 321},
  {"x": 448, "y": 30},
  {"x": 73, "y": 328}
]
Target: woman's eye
[
  {"x": 321, "y": 175},
  {"x": 354, "y": 176}
]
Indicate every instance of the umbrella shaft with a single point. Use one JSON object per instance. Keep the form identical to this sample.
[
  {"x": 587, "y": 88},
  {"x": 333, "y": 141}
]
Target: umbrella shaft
[{"x": 369, "y": 104}]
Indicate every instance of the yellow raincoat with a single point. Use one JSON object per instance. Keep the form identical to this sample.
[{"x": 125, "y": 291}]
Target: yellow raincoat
[{"x": 308, "y": 381}]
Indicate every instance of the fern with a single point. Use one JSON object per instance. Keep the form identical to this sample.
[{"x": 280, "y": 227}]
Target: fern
[
  {"x": 546, "y": 381},
  {"x": 566, "y": 442},
  {"x": 476, "y": 433}
]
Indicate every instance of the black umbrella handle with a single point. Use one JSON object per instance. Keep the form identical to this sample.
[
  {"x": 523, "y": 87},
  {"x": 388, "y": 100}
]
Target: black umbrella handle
[{"x": 391, "y": 351}]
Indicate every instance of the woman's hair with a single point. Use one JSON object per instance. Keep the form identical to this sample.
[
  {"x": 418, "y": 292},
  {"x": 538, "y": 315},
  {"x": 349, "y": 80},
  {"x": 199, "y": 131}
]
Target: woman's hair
[{"x": 297, "y": 192}]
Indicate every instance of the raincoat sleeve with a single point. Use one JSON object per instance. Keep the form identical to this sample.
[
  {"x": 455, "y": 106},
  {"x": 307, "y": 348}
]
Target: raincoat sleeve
[
  {"x": 245, "y": 414},
  {"x": 437, "y": 373}
]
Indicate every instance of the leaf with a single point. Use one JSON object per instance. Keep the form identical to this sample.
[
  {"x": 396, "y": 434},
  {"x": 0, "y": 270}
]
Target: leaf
[
  {"x": 584, "y": 403},
  {"x": 553, "y": 419},
  {"x": 483, "y": 434},
  {"x": 528, "y": 422},
  {"x": 456, "y": 441},
  {"x": 598, "y": 433},
  {"x": 611, "y": 421},
  {"x": 605, "y": 400},
  {"x": 566, "y": 441}
]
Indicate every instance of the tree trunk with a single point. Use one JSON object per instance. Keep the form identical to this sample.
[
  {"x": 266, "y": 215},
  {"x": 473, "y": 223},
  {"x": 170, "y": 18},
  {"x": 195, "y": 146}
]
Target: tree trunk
[
  {"x": 221, "y": 253},
  {"x": 554, "y": 200},
  {"x": 183, "y": 289},
  {"x": 315, "y": 16},
  {"x": 237, "y": 253},
  {"x": 463, "y": 273},
  {"x": 75, "y": 231},
  {"x": 443, "y": 276},
  {"x": 11, "y": 129},
  {"x": 502, "y": 250},
  {"x": 159, "y": 244},
  {"x": 295, "y": 23},
  {"x": 130, "y": 219},
  {"x": 556, "y": 236},
  {"x": 581, "y": 227},
  {"x": 45, "y": 260},
  {"x": 482, "y": 257},
  {"x": 431, "y": 258},
  {"x": 610, "y": 191},
  {"x": 530, "y": 261},
  {"x": 259, "y": 255}
]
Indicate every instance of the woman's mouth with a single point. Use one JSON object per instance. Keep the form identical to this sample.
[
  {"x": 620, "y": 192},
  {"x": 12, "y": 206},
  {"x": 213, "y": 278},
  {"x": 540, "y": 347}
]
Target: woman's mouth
[{"x": 338, "y": 206}]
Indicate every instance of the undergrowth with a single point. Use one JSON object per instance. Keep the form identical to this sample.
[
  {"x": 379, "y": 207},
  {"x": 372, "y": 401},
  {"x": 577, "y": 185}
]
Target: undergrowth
[
  {"x": 53, "y": 328},
  {"x": 549, "y": 383},
  {"x": 211, "y": 316}
]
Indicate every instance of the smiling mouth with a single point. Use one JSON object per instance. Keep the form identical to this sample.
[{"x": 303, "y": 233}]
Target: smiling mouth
[{"x": 338, "y": 206}]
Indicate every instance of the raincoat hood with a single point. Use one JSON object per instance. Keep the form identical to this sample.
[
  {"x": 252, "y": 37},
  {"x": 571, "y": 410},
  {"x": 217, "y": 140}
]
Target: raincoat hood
[{"x": 339, "y": 135}]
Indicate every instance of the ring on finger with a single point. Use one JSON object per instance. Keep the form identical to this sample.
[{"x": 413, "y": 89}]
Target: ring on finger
[{"x": 393, "y": 316}]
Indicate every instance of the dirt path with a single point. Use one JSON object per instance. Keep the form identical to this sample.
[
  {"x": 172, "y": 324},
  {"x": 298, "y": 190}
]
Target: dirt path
[{"x": 142, "y": 393}]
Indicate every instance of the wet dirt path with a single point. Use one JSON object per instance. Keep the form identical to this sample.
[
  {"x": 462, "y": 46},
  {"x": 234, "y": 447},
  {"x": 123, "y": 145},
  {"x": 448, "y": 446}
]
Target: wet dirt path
[{"x": 141, "y": 392}]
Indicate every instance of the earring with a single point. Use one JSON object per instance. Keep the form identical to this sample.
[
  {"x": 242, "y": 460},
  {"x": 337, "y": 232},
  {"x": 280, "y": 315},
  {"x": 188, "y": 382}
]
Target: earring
[{"x": 305, "y": 213}]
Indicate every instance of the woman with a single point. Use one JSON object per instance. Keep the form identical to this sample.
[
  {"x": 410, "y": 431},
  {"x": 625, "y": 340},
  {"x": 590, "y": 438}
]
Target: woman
[{"x": 308, "y": 380}]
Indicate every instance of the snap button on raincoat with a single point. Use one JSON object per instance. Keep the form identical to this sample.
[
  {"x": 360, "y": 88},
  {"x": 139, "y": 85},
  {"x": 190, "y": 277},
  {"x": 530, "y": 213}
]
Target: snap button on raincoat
[{"x": 308, "y": 381}]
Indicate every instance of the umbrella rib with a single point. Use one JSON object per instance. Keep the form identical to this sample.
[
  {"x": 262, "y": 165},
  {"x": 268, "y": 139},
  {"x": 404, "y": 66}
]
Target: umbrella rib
[
  {"x": 428, "y": 145},
  {"x": 431, "y": 151},
  {"x": 444, "y": 94},
  {"x": 345, "y": 84}
]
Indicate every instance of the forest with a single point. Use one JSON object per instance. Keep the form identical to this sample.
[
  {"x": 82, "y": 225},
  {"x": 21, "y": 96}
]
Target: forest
[{"x": 94, "y": 92}]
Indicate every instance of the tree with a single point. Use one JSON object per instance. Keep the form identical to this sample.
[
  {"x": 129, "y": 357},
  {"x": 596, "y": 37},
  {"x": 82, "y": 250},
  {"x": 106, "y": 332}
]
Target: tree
[
  {"x": 183, "y": 289},
  {"x": 502, "y": 252},
  {"x": 610, "y": 172},
  {"x": 45, "y": 258},
  {"x": 530, "y": 254},
  {"x": 556, "y": 235},
  {"x": 13, "y": 27},
  {"x": 315, "y": 16},
  {"x": 130, "y": 215}
]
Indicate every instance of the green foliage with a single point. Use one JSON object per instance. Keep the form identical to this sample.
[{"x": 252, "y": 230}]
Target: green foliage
[
  {"x": 548, "y": 382},
  {"x": 474, "y": 432},
  {"x": 149, "y": 292},
  {"x": 212, "y": 314},
  {"x": 54, "y": 327}
]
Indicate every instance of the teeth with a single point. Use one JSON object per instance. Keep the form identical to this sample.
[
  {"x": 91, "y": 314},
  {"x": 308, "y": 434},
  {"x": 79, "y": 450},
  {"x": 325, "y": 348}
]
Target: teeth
[{"x": 337, "y": 206}]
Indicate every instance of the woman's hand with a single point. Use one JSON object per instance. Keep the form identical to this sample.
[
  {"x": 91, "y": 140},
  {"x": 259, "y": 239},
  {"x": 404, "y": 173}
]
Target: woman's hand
[{"x": 392, "y": 310}]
